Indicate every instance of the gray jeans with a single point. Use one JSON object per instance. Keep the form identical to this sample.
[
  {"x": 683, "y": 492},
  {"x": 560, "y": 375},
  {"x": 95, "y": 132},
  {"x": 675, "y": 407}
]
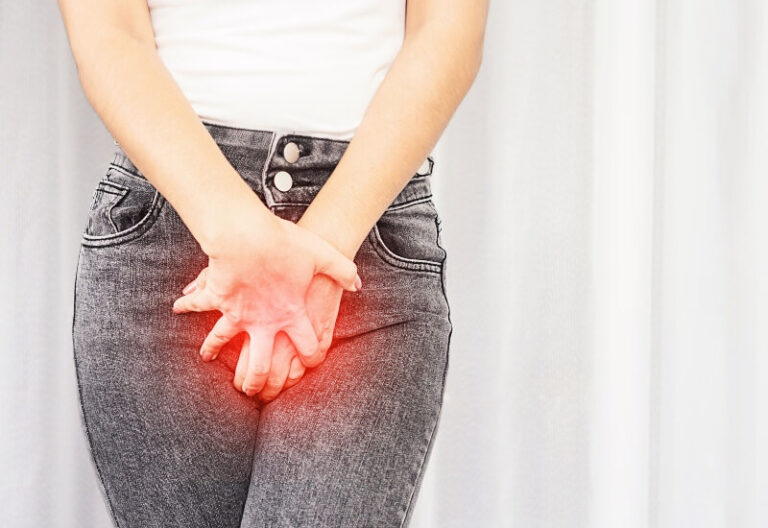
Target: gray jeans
[{"x": 173, "y": 442}]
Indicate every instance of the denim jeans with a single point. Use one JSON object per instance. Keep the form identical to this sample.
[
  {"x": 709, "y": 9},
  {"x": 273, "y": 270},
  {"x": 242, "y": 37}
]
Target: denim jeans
[{"x": 174, "y": 443}]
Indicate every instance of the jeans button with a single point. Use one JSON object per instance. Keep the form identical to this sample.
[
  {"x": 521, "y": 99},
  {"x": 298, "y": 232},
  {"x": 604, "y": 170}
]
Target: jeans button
[
  {"x": 283, "y": 181},
  {"x": 291, "y": 152}
]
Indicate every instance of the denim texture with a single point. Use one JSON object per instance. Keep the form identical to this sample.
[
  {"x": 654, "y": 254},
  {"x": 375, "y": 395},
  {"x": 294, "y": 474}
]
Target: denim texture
[{"x": 173, "y": 442}]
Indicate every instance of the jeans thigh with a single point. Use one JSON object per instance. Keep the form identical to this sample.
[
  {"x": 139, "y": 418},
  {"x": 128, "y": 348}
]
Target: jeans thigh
[
  {"x": 348, "y": 444},
  {"x": 171, "y": 439}
]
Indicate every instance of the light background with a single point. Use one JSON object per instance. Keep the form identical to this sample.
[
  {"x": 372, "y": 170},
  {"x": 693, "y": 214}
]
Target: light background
[{"x": 603, "y": 189}]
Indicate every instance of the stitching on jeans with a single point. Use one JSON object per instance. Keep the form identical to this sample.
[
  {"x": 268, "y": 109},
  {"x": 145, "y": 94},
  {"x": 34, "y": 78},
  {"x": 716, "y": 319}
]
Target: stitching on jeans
[
  {"x": 104, "y": 191},
  {"x": 112, "y": 205},
  {"x": 110, "y": 183},
  {"x": 132, "y": 233},
  {"x": 253, "y": 457},
  {"x": 314, "y": 137},
  {"x": 421, "y": 467},
  {"x": 281, "y": 205},
  {"x": 127, "y": 171},
  {"x": 406, "y": 517},
  {"x": 268, "y": 196},
  {"x": 397, "y": 261},
  {"x": 390, "y": 208},
  {"x": 84, "y": 420},
  {"x": 405, "y": 204},
  {"x": 234, "y": 128},
  {"x": 402, "y": 205},
  {"x": 295, "y": 135}
]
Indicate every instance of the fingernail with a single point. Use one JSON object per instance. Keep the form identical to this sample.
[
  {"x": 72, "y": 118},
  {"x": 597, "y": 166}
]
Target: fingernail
[
  {"x": 188, "y": 288},
  {"x": 358, "y": 283}
]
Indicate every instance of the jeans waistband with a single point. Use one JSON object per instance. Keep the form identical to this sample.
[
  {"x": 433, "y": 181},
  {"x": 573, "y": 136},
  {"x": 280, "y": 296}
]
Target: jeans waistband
[{"x": 285, "y": 167}]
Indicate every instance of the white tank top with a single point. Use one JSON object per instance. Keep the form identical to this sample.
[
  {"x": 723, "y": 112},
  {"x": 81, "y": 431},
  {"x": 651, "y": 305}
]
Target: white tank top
[{"x": 304, "y": 66}]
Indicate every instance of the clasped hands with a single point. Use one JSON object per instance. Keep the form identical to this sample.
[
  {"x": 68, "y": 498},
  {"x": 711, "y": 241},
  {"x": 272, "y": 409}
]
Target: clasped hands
[{"x": 279, "y": 283}]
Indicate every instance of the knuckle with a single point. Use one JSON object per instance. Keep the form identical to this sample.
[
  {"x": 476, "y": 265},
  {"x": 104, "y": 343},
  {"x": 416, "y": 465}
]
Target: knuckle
[
  {"x": 311, "y": 361},
  {"x": 310, "y": 351},
  {"x": 216, "y": 337},
  {"x": 293, "y": 307},
  {"x": 215, "y": 297},
  {"x": 258, "y": 371}
]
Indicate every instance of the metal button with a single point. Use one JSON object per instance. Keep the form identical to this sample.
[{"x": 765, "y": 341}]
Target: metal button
[
  {"x": 283, "y": 181},
  {"x": 291, "y": 152},
  {"x": 424, "y": 168}
]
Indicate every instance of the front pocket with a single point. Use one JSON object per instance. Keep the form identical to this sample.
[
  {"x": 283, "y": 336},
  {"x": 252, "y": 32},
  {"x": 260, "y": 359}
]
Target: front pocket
[
  {"x": 124, "y": 206},
  {"x": 409, "y": 237}
]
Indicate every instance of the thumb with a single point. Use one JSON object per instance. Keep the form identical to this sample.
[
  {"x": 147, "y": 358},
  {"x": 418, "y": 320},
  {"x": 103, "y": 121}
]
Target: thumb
[
  {"x": 197, "y": 283},
  {"x": 333, "y": 263}
]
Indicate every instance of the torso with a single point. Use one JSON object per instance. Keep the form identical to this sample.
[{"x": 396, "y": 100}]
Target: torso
[{"x": 296, "y": 65}]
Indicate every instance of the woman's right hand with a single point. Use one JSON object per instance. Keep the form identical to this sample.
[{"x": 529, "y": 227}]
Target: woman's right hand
[{"x": 258, "y": 275}]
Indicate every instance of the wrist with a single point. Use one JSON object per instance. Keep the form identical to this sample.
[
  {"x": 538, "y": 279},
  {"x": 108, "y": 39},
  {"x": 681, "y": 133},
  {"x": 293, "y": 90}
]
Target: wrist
[
  {"x": 233, "y": 211},
  {"x": 338, "y": 232}
]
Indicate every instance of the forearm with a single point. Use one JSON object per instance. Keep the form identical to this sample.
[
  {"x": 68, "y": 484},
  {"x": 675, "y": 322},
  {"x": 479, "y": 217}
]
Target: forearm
[
  {"x": 414, "y": 103},
  {"x": 144, "y": 109}
]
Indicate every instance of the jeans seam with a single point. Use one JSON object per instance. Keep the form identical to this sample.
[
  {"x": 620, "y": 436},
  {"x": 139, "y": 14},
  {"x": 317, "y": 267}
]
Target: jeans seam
[
  {"x": 407, "y": 514},
  {"x": 84, "y": 419},
  {"x": 430, "y": 443}
]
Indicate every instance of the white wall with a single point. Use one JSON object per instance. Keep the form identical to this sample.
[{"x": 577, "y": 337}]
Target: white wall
[{"x": 603, "y": 189}]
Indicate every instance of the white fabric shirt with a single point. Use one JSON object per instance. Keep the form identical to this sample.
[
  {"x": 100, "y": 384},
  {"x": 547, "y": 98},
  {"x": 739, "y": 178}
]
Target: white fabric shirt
[{"x": 292, "y": 65}]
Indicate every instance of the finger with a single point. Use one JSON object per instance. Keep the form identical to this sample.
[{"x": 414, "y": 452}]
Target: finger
[
  {"x": 295, "y": 374},
  {"x": 221, "y": 334},
  {"x": 303, "y": 337},
  {"x": 325, "y": 341},
  {"x": 259, "y": 359},
  {"x": 197, "y": 284},
  {"x": 278, "y": 370},
  {"x": 197, "y": 301},
  {"x": 189, "y": 288},
  {"x": 242, "y": 364},
  {"x": 333, "y": 263}
]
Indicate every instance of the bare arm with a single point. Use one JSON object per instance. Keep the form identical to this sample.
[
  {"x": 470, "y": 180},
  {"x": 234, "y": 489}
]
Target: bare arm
[
  {"x": 145, "y": 111},
  {"x": 260, "y": 266},
  {"x": 430, "y": 76}
]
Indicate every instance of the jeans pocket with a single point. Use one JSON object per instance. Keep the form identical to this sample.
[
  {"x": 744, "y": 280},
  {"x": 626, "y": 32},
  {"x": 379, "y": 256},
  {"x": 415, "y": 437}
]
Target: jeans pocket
[
  {"x": 123, "y": 207},
  {"x": 408, "y": 237}
]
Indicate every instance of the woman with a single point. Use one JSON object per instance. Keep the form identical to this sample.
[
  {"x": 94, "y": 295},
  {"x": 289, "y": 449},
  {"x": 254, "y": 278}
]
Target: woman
[{"x": 266, "y": 223}]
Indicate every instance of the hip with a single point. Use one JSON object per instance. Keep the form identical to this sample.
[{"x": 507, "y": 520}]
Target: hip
[{"x": 136, "y": 254}]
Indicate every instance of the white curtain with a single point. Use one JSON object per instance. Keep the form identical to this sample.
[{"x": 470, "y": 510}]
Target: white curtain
[{"x": 604, "y": 192}]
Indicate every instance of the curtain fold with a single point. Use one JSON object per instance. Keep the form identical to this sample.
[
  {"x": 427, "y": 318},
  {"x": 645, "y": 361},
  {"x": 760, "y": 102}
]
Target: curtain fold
[{"x": 604, "y": 195}]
